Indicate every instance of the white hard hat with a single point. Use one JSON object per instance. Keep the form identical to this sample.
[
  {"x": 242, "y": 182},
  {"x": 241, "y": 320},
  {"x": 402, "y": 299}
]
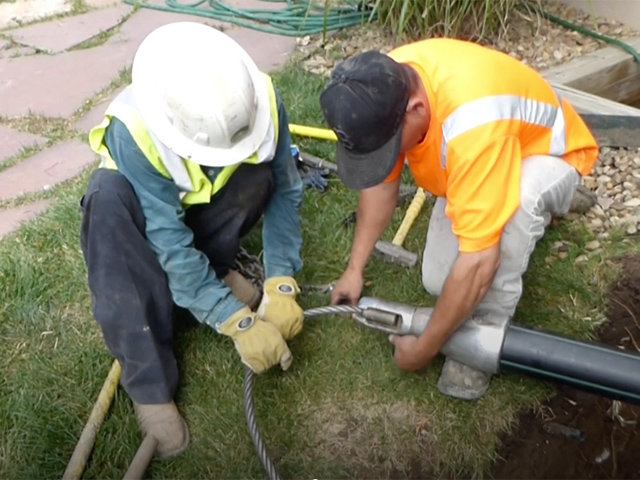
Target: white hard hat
[{"x": 200, "y": 94}]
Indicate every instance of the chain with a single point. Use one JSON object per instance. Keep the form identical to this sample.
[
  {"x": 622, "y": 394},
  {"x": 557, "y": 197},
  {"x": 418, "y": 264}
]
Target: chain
[{"x": 250, "y": 267}]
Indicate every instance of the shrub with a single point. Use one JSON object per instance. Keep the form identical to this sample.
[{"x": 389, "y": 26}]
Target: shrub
[{"x": 469, "y": 19}]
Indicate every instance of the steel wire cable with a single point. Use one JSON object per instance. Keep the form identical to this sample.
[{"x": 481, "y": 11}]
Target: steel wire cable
[{"x": 247, "y": 396}]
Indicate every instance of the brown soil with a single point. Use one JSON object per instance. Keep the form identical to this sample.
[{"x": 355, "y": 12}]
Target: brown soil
[{"x": 597, "y": 443}]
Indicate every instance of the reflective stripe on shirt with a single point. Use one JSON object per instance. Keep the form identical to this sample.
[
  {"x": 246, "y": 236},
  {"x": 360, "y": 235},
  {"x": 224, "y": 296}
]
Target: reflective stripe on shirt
[{"x": 504, "y": 107}]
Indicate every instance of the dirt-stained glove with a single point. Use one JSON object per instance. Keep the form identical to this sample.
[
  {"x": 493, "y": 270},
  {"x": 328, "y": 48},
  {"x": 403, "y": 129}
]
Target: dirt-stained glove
[
  {"x": 259, "y": 343},
  {"x": 279, "y": 306}
]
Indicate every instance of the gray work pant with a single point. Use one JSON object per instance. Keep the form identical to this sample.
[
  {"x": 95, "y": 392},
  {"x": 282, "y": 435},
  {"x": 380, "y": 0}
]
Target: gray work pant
[{"x": 546, "y": 187}]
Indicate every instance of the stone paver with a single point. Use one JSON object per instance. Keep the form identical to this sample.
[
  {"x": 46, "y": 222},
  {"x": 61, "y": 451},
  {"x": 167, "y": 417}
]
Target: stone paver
[
  {"x": 12, "y": 218},
  {"x": 101, "y": 3},
  {"x": 145, "y": 20},
  {"x": 12, "y": 141},
  {"x": 45, "y": 169},
  {"x": 61, "y": 34},
  {"x": 94, "y": 116},
  {"x": 12, "y": 52},
  {"x": 270, "y": 52},
  {"x": 57, "y": 85}
]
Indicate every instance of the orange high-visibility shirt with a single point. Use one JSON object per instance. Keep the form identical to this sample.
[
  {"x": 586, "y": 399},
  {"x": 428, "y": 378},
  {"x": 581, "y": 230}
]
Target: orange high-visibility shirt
[{"x": 489, "y": 111}]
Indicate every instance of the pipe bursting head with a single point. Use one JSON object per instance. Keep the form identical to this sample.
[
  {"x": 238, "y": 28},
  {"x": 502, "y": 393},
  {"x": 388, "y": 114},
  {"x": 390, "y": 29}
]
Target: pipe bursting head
[{"x": 476, "y": 343}]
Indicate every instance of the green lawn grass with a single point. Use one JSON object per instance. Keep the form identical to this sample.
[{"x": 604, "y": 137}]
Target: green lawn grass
[{"x": 342, "y": 411}]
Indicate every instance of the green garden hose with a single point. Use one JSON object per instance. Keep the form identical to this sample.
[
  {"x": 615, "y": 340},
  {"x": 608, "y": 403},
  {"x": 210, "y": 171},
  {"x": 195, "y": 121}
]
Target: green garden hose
[{"x": 297, "y": 18}]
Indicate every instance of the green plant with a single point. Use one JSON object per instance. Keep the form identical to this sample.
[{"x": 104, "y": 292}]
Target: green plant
[{"x": 470, "y": 19}]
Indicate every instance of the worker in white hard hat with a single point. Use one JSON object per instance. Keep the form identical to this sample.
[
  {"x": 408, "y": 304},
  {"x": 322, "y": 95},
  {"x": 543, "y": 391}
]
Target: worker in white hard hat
[{"x": 194, "y": 152}]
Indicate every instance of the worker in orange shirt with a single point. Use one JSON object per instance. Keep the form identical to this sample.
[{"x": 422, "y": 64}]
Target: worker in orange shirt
[{"x": 487, "y": 136}]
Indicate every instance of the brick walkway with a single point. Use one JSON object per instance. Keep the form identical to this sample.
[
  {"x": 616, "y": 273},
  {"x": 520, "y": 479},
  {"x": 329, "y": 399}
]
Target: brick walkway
[{"x": 43, "y": 76}]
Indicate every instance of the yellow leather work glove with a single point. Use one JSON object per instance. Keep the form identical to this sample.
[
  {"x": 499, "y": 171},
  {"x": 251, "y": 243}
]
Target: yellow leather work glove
[
  {"x": 279, "y": 306},
  {"x": 259, "y": 343}
]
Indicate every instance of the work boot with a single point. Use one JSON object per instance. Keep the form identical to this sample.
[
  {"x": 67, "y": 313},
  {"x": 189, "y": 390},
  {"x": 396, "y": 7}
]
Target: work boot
[
  {"x": 460, "y": 381},
  {"x": 582, "y": 201},
  {"x": 243, "y": 289},
  {"x": 164, "y": 422}
]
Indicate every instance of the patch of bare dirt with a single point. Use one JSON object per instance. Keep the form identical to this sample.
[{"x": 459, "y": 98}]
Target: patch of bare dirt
[
  {"x": 350, "y": 434},
  {"x": 581, "y": 435}
]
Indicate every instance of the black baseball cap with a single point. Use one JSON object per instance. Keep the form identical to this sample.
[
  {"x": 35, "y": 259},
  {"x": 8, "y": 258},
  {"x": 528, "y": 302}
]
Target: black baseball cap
[{"x": 364, "y": 104}]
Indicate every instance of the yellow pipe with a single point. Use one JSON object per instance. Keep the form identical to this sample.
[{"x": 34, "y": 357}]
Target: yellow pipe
[
  {"x": 412, "y": 213},
  {"x": 315, "y": 132},
  {"x": 88, "y": 437}
]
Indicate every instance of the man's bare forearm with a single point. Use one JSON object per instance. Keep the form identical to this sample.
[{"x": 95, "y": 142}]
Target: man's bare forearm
[{"x": 375, "y": 208}]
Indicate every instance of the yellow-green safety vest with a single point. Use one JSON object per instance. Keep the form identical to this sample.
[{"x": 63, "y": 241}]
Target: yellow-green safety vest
[{"x": 194, "y": 185}]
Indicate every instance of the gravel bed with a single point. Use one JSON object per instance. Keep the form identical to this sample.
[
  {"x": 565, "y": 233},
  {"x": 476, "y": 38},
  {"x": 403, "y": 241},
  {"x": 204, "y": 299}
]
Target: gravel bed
[{"x": 616, "y": 183}]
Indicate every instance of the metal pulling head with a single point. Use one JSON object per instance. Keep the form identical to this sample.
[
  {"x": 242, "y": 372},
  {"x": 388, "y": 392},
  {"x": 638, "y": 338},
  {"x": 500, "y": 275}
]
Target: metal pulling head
[
  {"x": 477, "y": 342},
  {"x": 385, "y": 316}
]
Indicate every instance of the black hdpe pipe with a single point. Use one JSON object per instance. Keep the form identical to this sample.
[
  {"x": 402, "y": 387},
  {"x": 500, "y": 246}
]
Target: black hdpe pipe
[{"x": 589, "y": 366}]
